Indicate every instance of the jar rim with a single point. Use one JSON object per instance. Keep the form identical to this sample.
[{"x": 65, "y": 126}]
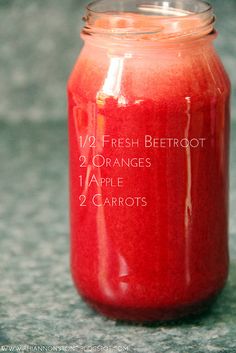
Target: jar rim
[
  {"x": 149, "y": 19},
  {"x": 91, "y": 7}
]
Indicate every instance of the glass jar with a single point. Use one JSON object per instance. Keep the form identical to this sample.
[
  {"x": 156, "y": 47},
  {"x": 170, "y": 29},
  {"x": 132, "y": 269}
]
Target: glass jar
[{"x": 149, "y": 141}]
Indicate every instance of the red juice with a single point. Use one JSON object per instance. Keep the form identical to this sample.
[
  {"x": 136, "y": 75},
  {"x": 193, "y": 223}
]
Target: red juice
[{"x": 148, "y": 132}]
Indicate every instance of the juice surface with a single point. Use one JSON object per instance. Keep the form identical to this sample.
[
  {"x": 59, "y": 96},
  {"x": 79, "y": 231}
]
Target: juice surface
[{"x": 149, "y": 180}]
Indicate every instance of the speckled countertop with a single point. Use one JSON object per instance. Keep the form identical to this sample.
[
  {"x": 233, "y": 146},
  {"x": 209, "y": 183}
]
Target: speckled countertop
[{"x": 39, "y": 306}]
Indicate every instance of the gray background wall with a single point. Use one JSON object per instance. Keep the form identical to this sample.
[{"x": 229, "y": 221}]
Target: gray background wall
[{"x": 39, "y": 43}]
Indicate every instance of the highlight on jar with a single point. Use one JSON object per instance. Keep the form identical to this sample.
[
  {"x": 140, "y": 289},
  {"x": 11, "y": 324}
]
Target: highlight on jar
[{"x": 148, "y": 119}]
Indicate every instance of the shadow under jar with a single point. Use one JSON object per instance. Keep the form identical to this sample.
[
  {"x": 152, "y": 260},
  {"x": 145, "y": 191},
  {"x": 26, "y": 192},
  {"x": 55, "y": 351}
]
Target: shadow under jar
[{"x": 149, "y": 141}]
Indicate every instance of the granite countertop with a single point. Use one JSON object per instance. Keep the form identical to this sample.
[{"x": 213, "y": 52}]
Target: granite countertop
[{"x": 39, "y": 307}]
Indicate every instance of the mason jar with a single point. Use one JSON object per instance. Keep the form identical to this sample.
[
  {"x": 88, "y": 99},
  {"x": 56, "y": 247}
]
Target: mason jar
[{"x": 149, "y": 154}]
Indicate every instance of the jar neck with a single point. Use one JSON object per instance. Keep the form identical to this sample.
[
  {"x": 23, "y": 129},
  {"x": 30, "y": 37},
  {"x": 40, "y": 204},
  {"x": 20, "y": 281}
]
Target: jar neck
[
  {"x": 148, "y": 22},
  {"x": 133, "y": 49}
]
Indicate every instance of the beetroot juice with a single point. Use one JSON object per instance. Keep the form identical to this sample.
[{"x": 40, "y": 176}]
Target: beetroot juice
[{"x": 149, "y": 134}]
